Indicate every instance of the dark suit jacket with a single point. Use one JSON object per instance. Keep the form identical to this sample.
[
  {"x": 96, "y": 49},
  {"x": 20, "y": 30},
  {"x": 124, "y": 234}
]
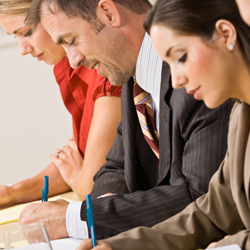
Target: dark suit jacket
[
  {"x": 224, "y": 210},
  {"x": 192, "y": 146}
]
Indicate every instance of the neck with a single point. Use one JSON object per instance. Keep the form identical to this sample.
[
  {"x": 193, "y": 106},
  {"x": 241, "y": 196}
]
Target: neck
[
  {"x": 243, "y": 85},
  {"x": 132, "y": 27}
]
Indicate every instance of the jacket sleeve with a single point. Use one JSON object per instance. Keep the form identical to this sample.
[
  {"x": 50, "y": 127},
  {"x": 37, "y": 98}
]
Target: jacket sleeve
[
  {"x": 242, "y": 239},
  {"x": 202, "y": 222},
  {"x": 111, "y": 178},
  {"x": 125, "y": 211},
  {"x": 206, "y": 220}
]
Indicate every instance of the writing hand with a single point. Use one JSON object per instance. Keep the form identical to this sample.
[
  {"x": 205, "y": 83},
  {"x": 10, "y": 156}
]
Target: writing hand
[
  {"x": 87, "y": 245},
  {"x": 52, "y": 214},
  {"x": 68, "y": 161}
]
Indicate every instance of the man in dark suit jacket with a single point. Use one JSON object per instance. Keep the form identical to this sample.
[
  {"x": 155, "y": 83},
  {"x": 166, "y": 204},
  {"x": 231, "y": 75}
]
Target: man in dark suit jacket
[{"x": 192, "y": 144}]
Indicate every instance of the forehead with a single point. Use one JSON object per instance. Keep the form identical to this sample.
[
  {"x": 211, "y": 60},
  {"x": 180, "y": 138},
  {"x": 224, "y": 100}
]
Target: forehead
[
  {"x": 59, "y": 24},
  {"x": 12, "y": 23},
  {"x": 162, "y": 34}
]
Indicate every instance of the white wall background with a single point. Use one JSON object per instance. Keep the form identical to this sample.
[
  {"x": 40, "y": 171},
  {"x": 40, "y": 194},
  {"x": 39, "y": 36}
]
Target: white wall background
[{"x": 33, "y": 119}]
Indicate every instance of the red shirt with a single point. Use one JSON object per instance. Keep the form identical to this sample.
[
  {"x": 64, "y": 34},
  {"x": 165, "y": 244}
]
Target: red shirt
[{"x": 80, "y": 88}]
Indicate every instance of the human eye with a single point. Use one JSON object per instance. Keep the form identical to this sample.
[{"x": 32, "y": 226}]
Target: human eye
[
  {"x": 182, "y": 59},
  {"x": 29, "y": 33},
  {"x": 73, "y": 42}
]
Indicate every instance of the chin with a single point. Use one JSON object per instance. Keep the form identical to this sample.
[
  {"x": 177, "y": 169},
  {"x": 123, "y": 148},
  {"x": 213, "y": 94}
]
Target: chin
[
  {"x": 213, "y": 104},
  {"x": 53, "y": 61}
]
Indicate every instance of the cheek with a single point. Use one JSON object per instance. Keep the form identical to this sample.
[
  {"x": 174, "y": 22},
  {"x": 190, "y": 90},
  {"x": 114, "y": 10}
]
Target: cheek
[{"x": 199, "y": 65}]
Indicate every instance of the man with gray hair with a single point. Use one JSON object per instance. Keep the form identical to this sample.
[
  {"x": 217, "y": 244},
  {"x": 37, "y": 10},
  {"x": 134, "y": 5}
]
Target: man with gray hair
[{"x": 168, "y": 145}]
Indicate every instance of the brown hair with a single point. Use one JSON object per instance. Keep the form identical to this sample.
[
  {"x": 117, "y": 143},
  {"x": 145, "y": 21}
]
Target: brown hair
[
  {"x": 84, "y": 8},
  {"x": 198, "y": 17},
  {"x": 13, "y": 7}
]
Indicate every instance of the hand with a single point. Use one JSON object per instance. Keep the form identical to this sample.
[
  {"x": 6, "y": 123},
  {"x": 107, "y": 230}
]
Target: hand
[
  {"x": 106, "y": 195},
  {"x": 212, "y": 245},
  {"x": 52, "y": 214},
  {"x": 87, "y": 245},
  {"x": 69, "y": 162},
  {"x": 6, "y": 196}
]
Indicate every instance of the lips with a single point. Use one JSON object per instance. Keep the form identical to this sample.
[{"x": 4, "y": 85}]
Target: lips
[
  {"x": 40, "y": 57},
  {"x": 94, "y": 66},
  {"x": 194, "y": 92}
]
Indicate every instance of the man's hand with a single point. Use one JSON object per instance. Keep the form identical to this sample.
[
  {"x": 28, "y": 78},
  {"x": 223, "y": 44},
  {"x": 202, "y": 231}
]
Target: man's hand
[
  {"x": 87, "y": 245},
  {"x": 52, "y": 214},
  {"x": 68, "y": 161}
]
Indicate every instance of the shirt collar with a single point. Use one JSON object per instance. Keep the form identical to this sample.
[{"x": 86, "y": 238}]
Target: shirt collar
[{"x": 149, "y": 67}]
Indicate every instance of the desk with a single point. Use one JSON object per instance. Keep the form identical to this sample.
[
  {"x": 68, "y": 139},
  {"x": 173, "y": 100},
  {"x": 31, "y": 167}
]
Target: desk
[{"x": 69, "y": 195}]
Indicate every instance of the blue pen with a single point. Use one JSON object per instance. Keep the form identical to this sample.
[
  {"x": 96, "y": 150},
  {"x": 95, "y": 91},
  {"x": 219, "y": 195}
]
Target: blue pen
[
  {"x": 90, "y": 220},
  {"x": 45, "y": 189}
]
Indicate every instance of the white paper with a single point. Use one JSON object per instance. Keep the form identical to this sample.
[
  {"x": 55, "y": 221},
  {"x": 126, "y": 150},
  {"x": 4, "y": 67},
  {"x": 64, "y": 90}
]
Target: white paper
[
  {"x": 229, "y": 247},
  {"x": 62, "y": 244},
  {"x": 65, "y": 244}
]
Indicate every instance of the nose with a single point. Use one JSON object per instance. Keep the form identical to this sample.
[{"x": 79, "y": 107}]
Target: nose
[
  {"x": 75, "y": 57},
  {"x": 24, "y": 46},
  {"x": 179, "y": 80}
]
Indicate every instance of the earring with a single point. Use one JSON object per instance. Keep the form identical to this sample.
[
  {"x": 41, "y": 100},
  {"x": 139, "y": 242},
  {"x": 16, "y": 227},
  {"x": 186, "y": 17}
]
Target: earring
[{"x": 230, "y": 47}]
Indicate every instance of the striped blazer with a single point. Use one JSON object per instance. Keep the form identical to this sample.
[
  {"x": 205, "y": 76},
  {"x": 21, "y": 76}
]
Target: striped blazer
[{"x": 192, "y": 146}]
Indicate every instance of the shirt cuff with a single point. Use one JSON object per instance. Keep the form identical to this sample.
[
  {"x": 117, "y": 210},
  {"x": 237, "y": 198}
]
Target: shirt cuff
[{"x": 75, "y": 226}]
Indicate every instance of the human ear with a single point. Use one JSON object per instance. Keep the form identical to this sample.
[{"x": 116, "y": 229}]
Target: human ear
[
  {"x": 107, "y": 13},
  {"x": 227, "y": 32}
]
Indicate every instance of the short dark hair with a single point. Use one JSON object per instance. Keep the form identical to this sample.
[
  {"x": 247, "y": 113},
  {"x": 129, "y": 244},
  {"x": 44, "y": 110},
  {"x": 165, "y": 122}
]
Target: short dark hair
[
  {"x": 81, "y": 8},
  {"x": 198, "y": 17}
]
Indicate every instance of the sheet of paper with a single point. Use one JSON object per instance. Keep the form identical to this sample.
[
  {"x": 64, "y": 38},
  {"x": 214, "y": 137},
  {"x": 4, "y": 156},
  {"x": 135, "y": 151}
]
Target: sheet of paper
[
  {"x": 229, "y": 247},
  {"x": 13, "y": 213},
  {"x": 62, "y": 244}
]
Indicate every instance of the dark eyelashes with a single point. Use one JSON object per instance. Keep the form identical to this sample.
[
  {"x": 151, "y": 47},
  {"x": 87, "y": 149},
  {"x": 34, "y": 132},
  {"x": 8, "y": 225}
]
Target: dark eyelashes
[
  {"x": 72, "y": 42},
  {"x": 183, "y": 58},
  {"x": 29, "y": 33}
]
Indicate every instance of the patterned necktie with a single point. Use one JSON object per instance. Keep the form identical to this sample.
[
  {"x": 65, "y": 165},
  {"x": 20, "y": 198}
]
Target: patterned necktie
[{"x": 142, "y": 101}]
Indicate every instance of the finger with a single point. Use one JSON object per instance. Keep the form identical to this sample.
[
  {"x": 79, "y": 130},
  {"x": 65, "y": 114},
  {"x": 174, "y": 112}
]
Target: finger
[
  {"x": 55, "y": 160},
  {"x": 85, "y": 245},
  {"x": 57, "y": 152},
  {"x": 67, "y": 150},
  {"x": 59, "y": 162},
  {"x": 211, "y": 245},
  {"x": 72, "y": 144},
  {"x": 106, "y": 195}
]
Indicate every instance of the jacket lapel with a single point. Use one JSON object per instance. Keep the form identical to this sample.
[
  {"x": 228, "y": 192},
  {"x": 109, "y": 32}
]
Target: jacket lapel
[{"x": 165, "y": 139}]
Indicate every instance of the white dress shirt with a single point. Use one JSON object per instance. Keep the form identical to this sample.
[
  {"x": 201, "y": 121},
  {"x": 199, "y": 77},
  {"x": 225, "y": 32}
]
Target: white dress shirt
[{"x": 148, "y": 77}]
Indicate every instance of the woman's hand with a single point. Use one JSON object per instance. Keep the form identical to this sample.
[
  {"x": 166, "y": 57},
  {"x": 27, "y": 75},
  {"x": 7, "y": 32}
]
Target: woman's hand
[{"x": 68, "y": 161}]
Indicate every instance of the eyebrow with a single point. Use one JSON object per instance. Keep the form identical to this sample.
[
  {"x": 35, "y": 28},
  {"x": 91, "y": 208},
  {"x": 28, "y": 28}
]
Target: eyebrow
[
  {"x": 15, "y": 31},
  {"x": 168, "y": 52}
]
